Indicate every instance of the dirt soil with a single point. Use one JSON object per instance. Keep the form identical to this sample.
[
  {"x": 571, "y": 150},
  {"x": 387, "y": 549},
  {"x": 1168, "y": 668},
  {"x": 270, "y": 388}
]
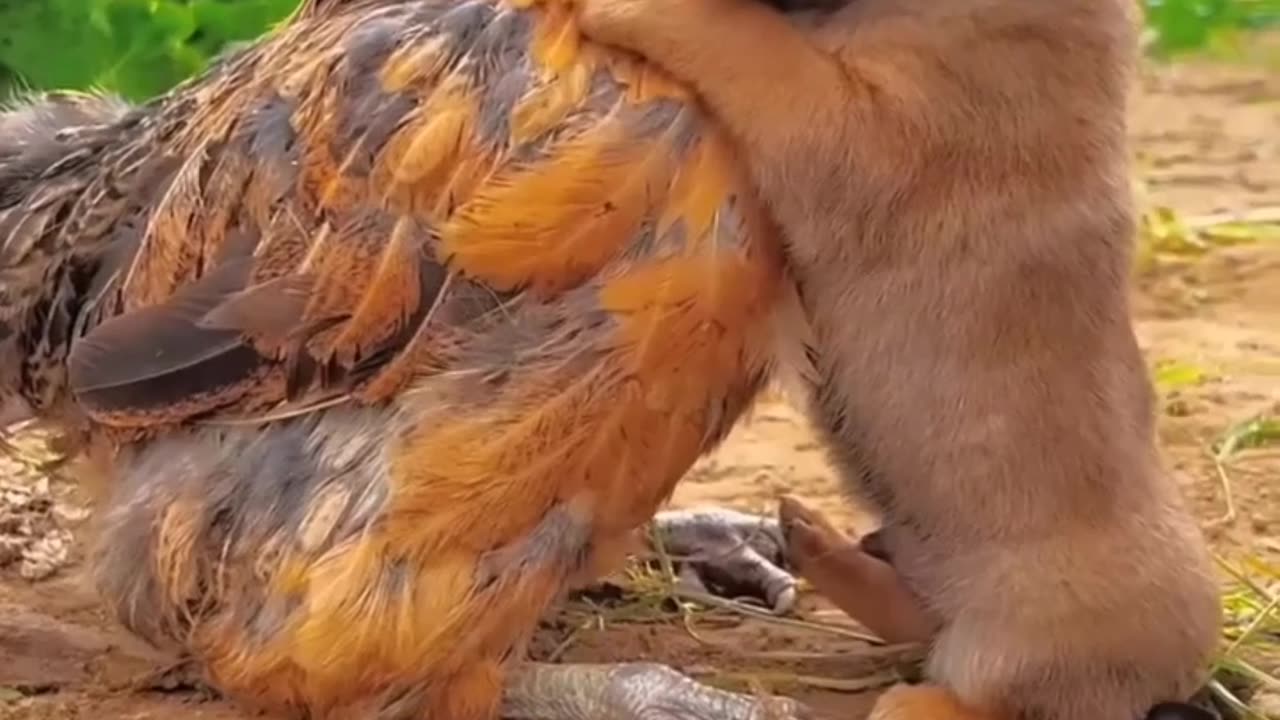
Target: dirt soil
[{"x": 1208, "y": 137}]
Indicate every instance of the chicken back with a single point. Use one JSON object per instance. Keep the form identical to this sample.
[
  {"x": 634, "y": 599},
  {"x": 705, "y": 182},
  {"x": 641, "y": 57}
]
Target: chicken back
[{"x": 394, "y": 325}]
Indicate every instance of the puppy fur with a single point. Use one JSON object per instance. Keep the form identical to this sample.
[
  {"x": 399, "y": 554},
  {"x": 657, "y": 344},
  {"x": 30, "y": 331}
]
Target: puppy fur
[{"x": 953, "y": 180}]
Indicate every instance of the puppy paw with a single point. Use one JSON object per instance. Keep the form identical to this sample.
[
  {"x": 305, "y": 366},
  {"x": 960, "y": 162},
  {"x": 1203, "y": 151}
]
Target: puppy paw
[{"x": 923, "y": 702}]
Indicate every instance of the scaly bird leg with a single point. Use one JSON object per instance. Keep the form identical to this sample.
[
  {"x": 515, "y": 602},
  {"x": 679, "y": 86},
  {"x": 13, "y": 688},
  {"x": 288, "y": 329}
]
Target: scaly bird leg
[
  {"x": 630, "y": 691},
  {"x": 726, "y": 552},
  {"x": 729, "y": 553}
]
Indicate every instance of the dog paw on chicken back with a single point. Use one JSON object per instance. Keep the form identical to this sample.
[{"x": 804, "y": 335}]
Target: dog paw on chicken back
[{"x": 379, "y": 336}]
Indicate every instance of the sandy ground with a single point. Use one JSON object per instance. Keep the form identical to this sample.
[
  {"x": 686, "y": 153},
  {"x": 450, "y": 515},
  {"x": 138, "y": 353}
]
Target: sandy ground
[{"x": 1209, "y": 140}]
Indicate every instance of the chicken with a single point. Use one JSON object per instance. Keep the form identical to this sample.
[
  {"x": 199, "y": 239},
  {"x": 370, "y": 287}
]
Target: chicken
[{"x": 380, "y": 335}]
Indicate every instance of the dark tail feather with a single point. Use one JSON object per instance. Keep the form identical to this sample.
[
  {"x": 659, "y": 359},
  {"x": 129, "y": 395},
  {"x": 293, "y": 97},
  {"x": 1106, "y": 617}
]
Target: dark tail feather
[{"x": 36, "y": 133}]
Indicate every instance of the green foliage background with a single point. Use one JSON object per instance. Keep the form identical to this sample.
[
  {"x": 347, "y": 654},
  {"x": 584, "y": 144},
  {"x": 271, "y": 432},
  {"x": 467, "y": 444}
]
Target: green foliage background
[
  {"x": 135, "y": 47},
  {"x": 142, "y": 47}
]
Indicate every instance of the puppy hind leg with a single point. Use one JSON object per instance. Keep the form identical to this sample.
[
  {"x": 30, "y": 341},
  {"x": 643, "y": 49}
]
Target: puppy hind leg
[
  {"x": 865, "y": 587},
  {"x": 924, "y": 702}
]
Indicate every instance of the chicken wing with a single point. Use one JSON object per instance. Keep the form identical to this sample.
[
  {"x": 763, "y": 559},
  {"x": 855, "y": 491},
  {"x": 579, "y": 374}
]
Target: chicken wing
[{"x": 381, "y": 334}]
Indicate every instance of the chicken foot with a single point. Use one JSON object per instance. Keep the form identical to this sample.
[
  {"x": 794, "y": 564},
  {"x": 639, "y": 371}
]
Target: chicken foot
[
  {"x": 715, "y": 550},
  {"x": 631, "y": 691},
  {"x": 720, "y": 551},
  {"x": 724, "y": 552}
]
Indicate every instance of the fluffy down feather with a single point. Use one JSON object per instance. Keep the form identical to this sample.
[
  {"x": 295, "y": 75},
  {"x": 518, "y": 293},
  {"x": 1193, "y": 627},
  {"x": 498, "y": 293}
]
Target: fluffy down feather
[{"x": 395, "y": 324}]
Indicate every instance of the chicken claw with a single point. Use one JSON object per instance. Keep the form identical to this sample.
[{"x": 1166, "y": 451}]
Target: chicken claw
[
  {"x": 729, "y": 553},
  {"x": 631, "y": 691}
]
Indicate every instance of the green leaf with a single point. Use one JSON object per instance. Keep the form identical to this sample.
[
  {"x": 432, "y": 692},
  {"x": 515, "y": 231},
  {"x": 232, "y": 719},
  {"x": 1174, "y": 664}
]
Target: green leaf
[
  {"x": 1252, "y": 433},
  {"x": 1175, "y": 375},
  {"x": 1186, "y": 25},
  {"x": 138, "y": 48}
]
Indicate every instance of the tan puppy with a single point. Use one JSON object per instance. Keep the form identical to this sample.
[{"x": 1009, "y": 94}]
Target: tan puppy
[{"x": 953, "y": 180}]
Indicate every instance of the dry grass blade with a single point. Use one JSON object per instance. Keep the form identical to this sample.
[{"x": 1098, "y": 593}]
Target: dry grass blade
[
  {"x": 1163, "y": 232},
  {"x": 818, "y": 682},
  {"x": 769, "y": 617},
  {"x": 1228, "y": 495},
  {"x": 1251, "y": 634},
  {"x": 1253, "y": 216},
  {"x": 665, "y": 585},
  {"x": 1254, "y": 432}
]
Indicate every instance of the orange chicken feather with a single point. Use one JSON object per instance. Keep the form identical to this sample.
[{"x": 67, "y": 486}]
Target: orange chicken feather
[{"x": 385, "y": 331}]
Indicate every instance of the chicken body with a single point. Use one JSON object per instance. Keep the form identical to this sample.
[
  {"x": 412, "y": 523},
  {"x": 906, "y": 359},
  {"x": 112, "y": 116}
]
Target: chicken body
[{"x": 386, "y": 330}]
